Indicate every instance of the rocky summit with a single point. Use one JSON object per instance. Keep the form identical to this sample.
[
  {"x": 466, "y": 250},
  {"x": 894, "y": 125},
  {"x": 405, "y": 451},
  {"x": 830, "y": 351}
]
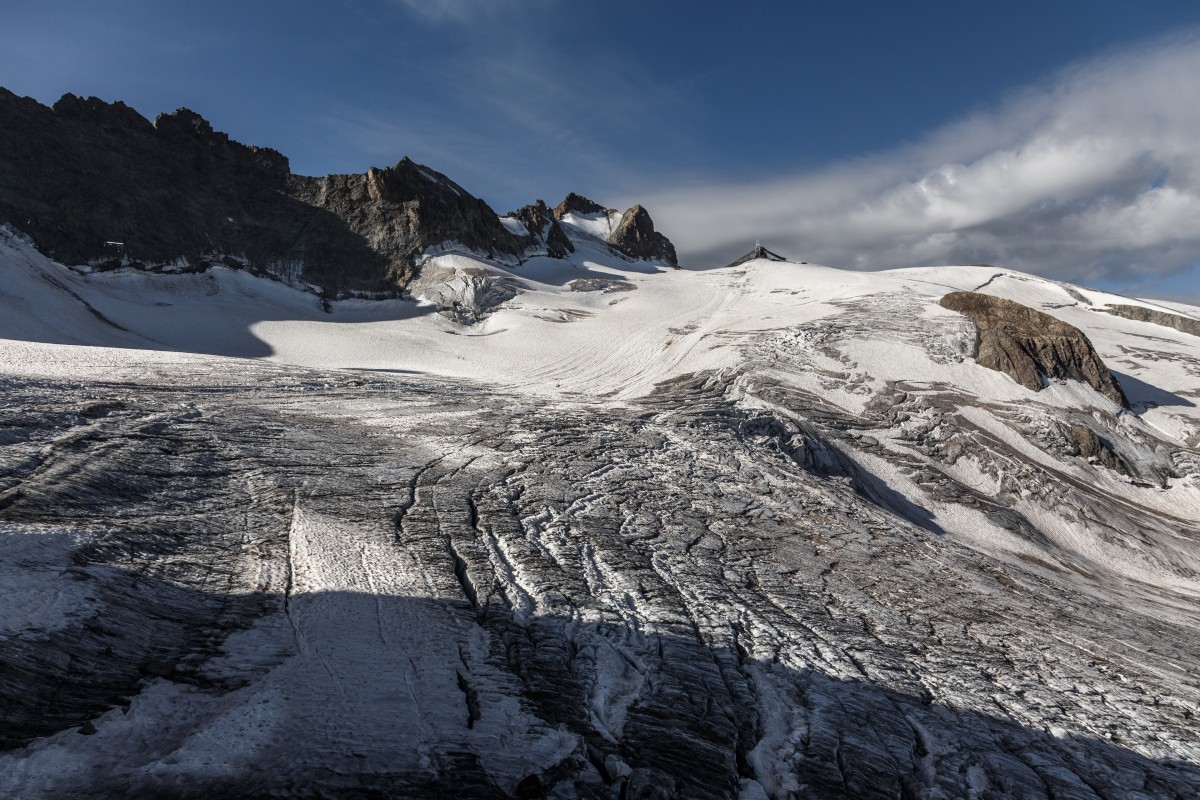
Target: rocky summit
[
  {"x": 759, "y": 252},
  {"x": 542, "y": 223},
  {"x": 578, "y": 204},
  {"x": 96, "y": 184},
  {"x": 635, "y": 237}
]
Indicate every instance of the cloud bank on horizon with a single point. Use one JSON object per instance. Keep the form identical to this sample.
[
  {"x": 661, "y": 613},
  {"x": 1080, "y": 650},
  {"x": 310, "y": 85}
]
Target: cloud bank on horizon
[{"x": 1090, "y": 176}]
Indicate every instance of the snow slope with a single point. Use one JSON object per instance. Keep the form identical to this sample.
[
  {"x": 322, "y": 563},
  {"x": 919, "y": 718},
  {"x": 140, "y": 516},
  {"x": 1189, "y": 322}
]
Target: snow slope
[{"x": 550, "y": 339}]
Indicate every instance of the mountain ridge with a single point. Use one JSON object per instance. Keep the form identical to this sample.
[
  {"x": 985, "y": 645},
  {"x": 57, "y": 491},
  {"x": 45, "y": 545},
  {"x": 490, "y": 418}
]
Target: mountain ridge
[{"x": 96, "y": 183}]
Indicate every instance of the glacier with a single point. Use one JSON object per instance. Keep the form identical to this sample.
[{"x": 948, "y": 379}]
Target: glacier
[{"x": 588, "y": 527}]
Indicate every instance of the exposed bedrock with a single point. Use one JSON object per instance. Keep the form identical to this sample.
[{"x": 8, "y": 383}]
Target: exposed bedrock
[
  {"x": 1142, "y": 314},
  {"x": 1031, "y": 346},
  {"x": 759, "y": 252},
  {"x": 542, "y": 223},
  {"x": 95, "y": 183},
  {"x": 578, "y": 204},
  {"x": 1087, "y": 443},
  {"x": 636, "y": 237},
  {"x": 405, "y": 209}
]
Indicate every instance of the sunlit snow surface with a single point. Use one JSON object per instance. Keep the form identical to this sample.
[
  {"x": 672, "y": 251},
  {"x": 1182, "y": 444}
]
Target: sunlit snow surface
[{"x": 760, "y": 531}]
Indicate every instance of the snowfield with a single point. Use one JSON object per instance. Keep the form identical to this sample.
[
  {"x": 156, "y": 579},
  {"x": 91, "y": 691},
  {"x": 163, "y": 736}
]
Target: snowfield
[{"x": 587, "y": 528}]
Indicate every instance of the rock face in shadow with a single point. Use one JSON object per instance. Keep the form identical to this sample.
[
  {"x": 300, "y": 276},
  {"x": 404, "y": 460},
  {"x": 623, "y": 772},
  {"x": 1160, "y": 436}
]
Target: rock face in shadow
[
  {"x": 95, "y": 183},
  {"x": 1030, "y": 346},
  {"x": 637, "y": 238},
  {"x": 402, "y": 210},
  {"x": 1143, "y": 314}
]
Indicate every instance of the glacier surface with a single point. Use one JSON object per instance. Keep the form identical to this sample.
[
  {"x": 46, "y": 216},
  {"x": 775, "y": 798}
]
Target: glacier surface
[{"x": 761, "y": 531}]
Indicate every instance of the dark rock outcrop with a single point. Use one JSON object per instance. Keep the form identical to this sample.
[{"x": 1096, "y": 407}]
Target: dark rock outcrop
[
  {"x": 96, "y": 183},
  {"x": 578, "y": 204},
  {"x": 634, "y": 236},
  {"x": 1143, "y": 314},
  {"x": 759, "y": 252},
  {"x": 542, "y": 224},
  {"x": 637, "y": 238},
  {"x": 557, "y": 243},
  {"x": 605, "y": 285},
  {"x": 92, "y": 182},
  {"x": 1084, "y": 442},
  {"x": 401, "y": 211},
  {"x": 1030, "y": 346}
]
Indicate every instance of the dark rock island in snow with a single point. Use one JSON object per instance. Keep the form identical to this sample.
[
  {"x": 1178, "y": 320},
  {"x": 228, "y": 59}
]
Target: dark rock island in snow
[
  {"x": 1142, "y": 314},
  {"x": 635, "y": 237},
  {"x": 1031, "y": 346}
]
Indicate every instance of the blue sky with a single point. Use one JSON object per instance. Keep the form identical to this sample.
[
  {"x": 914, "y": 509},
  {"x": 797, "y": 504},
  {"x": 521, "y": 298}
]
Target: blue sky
[{"x": 856, "y": 134}]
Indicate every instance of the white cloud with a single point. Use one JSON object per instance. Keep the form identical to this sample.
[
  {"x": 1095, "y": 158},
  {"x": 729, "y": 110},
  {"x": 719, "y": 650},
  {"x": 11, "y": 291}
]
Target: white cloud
[{"x": 1093, "y": 175}]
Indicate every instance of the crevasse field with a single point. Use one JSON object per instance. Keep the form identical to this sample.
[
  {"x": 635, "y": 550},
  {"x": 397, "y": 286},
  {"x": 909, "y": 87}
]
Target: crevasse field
[{"x": 758, "y": 531}]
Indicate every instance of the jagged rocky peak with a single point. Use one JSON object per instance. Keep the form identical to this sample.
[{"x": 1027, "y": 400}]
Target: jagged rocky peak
[
  {"x": 578, "y": 204},
  {"x": 177, "y": 194},
  {"x": 542, "y": 224},
  {"x": 185, "y": 122},
  {"x": 84, "y": 173},
  {"x": 535, "y": 216},
  {"x": 96, "y": 111},
  {"x": 758, "y": 253},
  {"x": 636, "y": 237},
  {"x": 633, "y": 234},
  {"x": 1030, "y": 346},
  {"x": 408, "y": 180},
  {"x": 403, "y": 210},
  {"x": 96, "y": 184}
]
